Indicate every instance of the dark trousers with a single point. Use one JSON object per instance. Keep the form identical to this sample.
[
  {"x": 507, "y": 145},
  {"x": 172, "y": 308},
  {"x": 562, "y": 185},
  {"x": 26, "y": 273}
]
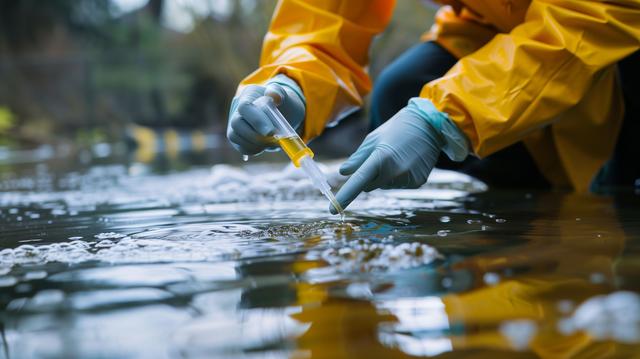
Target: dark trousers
[{"x": 511, "y": 167}]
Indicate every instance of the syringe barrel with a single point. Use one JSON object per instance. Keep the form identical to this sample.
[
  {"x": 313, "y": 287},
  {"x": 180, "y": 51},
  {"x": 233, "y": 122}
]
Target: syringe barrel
[
  {"x": 286, "y": 136},
  {"x": 296, "y": 149},
  {"x": 283, "y": 128}
]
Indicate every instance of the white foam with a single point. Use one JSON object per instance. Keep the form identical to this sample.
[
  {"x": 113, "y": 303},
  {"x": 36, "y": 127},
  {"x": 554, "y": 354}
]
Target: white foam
[{"x": 607, "y": 317}]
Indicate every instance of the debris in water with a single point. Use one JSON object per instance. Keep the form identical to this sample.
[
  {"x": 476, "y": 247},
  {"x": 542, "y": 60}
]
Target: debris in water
[{"x": 361, "y": 256}]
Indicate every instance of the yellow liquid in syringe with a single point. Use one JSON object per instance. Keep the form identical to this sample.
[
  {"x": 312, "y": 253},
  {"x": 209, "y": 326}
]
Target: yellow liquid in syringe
[{"x": 295, "y": 148}]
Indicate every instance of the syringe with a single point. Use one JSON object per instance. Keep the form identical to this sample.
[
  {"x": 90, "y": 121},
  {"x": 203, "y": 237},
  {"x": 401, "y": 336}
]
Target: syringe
[{"x": 295, "y": 148}]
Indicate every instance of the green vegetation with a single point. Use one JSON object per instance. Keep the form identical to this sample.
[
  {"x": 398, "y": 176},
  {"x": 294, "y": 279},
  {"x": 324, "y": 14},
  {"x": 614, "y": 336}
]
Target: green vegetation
[{"x": 75, "y": 66}]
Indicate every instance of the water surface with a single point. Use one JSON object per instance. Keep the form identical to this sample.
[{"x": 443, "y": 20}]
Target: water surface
[{"x": 246, "y": 262}]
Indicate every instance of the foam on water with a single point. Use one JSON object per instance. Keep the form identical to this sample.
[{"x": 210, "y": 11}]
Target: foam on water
[
  {"x": 110, "y": 185},
  {"x": 247, "y": 189},
  {"x": 615, "y": 316},
  {"x": 122, "y": 250},
  {"x": 360, "y": 256}
]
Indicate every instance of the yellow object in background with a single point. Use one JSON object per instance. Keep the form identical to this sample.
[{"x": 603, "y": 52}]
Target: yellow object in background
[
  {"x": 7, "y": 120},
  {"x": 538, "y": 71}
]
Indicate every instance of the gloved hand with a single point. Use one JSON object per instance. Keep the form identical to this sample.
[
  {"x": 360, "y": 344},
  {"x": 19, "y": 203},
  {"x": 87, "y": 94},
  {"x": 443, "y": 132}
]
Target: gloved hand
[
  {"x": 402, "y": 152},
  {"x": 248, "y": 129}
]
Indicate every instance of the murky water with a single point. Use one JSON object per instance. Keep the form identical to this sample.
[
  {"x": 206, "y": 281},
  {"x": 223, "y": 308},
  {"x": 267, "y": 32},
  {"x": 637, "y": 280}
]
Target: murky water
[{"x": 246, "y": 262}]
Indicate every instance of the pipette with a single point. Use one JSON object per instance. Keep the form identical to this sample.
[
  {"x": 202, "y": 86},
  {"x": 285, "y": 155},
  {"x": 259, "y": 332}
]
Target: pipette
[{"x": 295, "y": 148}]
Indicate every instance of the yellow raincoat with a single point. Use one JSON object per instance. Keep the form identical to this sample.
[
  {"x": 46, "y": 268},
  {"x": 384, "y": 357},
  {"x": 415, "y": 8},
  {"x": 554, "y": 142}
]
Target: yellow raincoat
[{"x": 541, "y": 71}]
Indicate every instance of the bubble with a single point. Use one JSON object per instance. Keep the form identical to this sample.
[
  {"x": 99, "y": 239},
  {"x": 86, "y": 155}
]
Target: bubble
[
  {"x": 501, "y": 220},
  {"x": 443, "y": 232},
  {"x": 445, "y": 219}
]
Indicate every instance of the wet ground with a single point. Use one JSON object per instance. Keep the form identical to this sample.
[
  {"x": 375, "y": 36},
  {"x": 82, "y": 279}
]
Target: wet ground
[{"x": 245, "y": 261}]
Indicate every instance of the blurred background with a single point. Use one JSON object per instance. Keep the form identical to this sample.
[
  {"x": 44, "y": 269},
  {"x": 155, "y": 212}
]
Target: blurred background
[{"x": 145, "y": 77}]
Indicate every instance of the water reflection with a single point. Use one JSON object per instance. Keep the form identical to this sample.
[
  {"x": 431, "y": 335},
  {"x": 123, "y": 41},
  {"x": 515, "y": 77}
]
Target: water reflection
[{"x": 189, "y": 272}]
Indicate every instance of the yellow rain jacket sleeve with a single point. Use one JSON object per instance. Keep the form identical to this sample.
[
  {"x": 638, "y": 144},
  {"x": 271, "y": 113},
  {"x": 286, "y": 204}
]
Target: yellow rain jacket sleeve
[
  {"x": 324, "y": 47},
  {"x": 556, "y": 67}
]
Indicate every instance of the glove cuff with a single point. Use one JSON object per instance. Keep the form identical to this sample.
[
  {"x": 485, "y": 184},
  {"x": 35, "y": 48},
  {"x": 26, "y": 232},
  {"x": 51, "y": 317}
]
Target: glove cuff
[{"x": 456, "y": 145}]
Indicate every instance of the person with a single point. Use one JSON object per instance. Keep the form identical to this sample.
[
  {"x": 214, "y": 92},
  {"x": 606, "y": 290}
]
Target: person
[{"x": 519, "y": 93}]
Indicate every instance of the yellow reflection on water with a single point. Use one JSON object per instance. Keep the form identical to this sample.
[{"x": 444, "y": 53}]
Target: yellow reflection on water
[{"x": 566, "y": 254}]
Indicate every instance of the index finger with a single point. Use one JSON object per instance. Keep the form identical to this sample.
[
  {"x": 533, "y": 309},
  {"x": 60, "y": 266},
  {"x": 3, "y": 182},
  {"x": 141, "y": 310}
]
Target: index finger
[{"x": 359, "y": 180}]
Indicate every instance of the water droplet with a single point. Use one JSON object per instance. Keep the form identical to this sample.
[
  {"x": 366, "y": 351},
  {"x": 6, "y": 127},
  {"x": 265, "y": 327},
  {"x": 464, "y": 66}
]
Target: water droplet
[{"x": 445, "y": 219}]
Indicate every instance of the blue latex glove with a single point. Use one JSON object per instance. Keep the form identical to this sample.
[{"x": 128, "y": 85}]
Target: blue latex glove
[
  {"x": 249, "y": 130},
  {"x": 402, "y": 152}
]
